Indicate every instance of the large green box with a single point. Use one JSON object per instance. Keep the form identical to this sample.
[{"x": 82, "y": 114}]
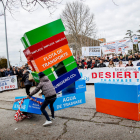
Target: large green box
[
  {"x": 48, "y": 72},
  {"x": 70, "y": 63},
  {"x": 35, "y": 76},
  {"x": 41, "y": 33},
  {"x": 24, "y": 43}
]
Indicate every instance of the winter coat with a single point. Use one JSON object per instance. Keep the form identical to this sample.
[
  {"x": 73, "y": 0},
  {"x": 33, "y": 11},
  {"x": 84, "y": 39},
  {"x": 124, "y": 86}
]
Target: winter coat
[
  {"x": 111, "y": 66},
  {"x": 16, "y": 72},
  {"x": 101, "y": 65},
  {"x": 116, "y": 60},
  {"x": 93, "y": 65},
  {"x": 8, "y": 73},
  {"x": 46, "y": 86},
  {"x": 25, "y": 78},
  {"x": 138, "y": 64},
  {"x": 2, "y": 74},
  {"x": 129, "y": 65}
]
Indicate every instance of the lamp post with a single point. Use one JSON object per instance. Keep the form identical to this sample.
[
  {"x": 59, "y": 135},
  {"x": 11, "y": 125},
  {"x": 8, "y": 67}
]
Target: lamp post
[{"x": 6, "y": 36}]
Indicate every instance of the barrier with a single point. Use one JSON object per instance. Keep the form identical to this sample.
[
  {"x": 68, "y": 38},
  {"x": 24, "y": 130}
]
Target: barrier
[{"x": 116, "y": 74}]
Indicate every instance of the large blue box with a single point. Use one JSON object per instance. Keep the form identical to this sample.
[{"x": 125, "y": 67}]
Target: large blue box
[
  {"x": 78, "y": 86},
  {"x": 69, "y": 100},
  {"x": 66, "y": 80},
  {"x": 119, "y": 91},
  {"x": 28, "y": 105}
]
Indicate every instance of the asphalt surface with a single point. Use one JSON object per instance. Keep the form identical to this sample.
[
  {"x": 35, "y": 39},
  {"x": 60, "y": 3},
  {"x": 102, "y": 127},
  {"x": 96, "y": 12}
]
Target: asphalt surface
[{"x": 76, "y": 123}]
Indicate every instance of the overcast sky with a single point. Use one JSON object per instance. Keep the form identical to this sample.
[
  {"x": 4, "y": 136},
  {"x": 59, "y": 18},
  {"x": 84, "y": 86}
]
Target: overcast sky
[{"x": 112, "y": 22}]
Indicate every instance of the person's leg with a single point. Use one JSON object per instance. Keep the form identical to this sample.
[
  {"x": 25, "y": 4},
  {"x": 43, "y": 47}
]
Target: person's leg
[
  {"x": 27, "y": 88},
  {"x": 51, "y": 106},
  {"x": 43, "y": 106}
]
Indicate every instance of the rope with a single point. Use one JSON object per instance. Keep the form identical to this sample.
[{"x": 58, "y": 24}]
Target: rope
[{"x": 19, "y": 115}]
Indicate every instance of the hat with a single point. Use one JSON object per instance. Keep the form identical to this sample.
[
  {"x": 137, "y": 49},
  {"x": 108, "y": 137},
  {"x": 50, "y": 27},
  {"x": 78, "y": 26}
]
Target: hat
[{"x": 41, "y": 74}]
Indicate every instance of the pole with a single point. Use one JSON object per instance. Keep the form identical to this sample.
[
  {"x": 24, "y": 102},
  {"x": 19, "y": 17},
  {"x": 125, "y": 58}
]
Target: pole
[{"x": 6, "y": 36}]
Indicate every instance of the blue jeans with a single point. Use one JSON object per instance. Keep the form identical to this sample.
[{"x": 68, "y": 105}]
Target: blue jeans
[{"x": 46, "y": 103}]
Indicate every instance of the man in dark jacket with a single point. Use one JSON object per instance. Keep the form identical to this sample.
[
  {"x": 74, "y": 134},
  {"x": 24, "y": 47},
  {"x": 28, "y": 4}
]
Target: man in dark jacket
[
  {"x": 131, "y": 58},
  {"x": 50, "y": 96},
  {"x": 101, "y": 64},
  {"x": 2, "y": 73},
  {"x": 8, "y": 72},
  {"x": 115, "y": 59}
]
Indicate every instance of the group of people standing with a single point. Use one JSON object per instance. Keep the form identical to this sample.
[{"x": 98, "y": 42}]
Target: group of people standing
[{"x": 98, "y": 62}]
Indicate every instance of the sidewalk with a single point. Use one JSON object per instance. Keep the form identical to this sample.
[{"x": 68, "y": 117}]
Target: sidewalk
[{"x": 77, "y": 123}]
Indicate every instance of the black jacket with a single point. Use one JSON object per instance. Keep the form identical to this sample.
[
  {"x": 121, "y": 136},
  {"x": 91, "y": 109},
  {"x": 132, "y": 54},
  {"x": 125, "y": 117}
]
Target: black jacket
[
  {"x": 101, "y": 65},
  {"x": 16, "y": 72},
  {"x": 25, "y": 78}
]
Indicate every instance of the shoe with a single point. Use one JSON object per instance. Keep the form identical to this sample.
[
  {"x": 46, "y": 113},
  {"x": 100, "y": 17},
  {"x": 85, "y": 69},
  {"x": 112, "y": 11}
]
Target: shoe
[
  {"x": 47, "y": 123},
  {"x": 52, "y": 118}
]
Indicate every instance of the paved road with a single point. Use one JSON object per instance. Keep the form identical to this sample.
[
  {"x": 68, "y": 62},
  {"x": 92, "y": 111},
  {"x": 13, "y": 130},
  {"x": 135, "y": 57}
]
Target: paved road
[{"x": 77, "y": 123}]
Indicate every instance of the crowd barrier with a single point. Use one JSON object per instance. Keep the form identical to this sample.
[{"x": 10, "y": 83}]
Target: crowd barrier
[
  {"x": 116, "y": 74},
  {"x": 9, "y": 82}
]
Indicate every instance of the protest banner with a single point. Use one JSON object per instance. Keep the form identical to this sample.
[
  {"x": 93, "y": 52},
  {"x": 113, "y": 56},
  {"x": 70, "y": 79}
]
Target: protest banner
[
  {"x": 135, "y": 39},
  {"x": 110, "y": 47},
  {"x": 116, "y": 74},
  {"x": 9, "y": 82},
  {"x": 91, "y": 51}
]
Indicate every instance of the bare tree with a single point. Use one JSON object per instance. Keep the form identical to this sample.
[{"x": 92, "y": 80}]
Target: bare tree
[
  {"x": 29, "y": 5},
  {"x": 79, "y": 22}
]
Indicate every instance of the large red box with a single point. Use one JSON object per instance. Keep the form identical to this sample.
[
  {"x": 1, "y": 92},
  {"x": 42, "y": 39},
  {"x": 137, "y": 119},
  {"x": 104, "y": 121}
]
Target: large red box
[{"x": 35, "y": 51}]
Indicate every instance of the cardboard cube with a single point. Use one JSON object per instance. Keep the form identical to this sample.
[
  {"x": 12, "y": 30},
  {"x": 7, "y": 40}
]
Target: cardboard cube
[
  {"x": 46, "y": 31},
  {"x": 37, "y": 50},
  {"x": 118, "y": 99},
  {"x": 78, "y": 86},
  {"x": 28, "y": 105}
]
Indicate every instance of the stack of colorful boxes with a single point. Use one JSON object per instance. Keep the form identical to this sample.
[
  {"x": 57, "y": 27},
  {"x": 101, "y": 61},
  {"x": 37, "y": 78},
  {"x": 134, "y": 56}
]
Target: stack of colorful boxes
[
  {"x": 47, "y": 51},
  {"x": 119, "y": 99}
]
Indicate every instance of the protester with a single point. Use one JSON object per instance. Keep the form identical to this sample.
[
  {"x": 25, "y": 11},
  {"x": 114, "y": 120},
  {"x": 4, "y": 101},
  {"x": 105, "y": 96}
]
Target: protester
[
  {"x": 80, "y": 66},
  {"x": 125, "y": 58},
  {"x": 93, "y": 64},
  {"x": 97, "y": 60},
  {"x": 101, "y": 64},
  {"x": 131, "y": 58},
  {"x": 19, "y": 78},
  {"x": 14, "y": 71},
  {"x": 2, "y": 73},
  {"x": 111, "y": 64},
  {"x": 8, "y": 72},
  {"x": 89, "y": 63},
  {"x": 122, "y": 59},
  {"x": 50, "y": 96},
  {"x": 138, "y": 64},
  {"x": 27, "y": 83},
  {"x": 120, "y": 64},
  {"x": 129, "y": 64},
  {"x": 115, "y": 59}
]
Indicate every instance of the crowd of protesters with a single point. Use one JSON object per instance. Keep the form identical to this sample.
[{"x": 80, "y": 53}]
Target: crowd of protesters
[
  {"x": 98, "y": 62},
  {"x": 20, "y": 72}
]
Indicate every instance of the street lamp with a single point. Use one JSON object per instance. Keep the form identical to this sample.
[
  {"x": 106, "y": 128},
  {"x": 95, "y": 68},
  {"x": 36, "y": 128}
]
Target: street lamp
[{"x": 6, "y": 35}]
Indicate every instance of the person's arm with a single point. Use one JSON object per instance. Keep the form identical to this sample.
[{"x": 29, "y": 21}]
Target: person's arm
[{"x": 36, "y": 89}]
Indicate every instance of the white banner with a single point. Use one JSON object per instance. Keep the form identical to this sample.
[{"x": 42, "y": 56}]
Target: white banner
[
  {"x": 91, "y": 51},
  {"x": 9, "y": 82},
  {"x": 111, "y": 47},
  {"x": 116, "y": 74},
  {"x": 135, "y": 39}
]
